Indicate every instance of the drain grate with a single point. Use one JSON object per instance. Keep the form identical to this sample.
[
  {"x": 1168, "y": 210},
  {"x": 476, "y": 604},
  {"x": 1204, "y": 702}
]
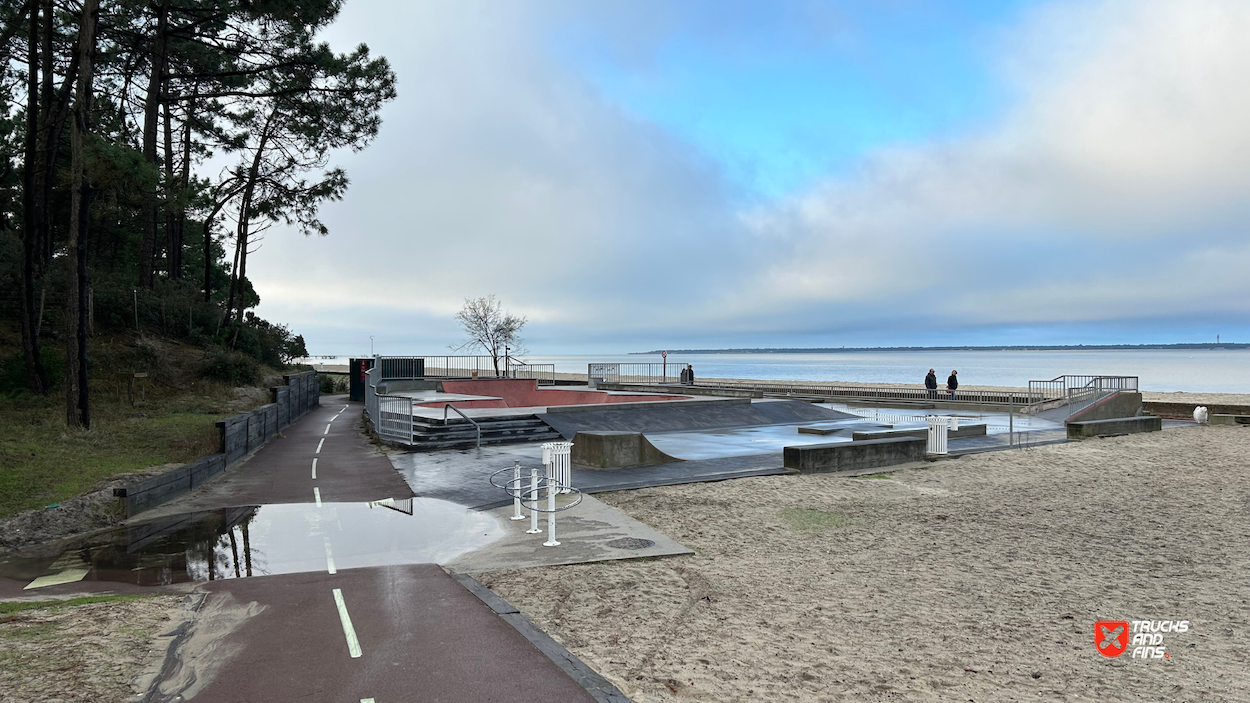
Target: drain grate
[{"x": 631, "y": 543}]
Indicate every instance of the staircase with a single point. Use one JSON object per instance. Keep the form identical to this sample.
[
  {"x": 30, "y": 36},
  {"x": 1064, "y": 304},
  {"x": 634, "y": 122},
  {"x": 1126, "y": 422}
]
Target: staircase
[{"x": 432, "y": 434}]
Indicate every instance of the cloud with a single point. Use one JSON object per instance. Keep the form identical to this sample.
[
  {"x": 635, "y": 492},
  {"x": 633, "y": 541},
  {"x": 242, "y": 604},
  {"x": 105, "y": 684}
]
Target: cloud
[{"x": 1111, "y": 189}]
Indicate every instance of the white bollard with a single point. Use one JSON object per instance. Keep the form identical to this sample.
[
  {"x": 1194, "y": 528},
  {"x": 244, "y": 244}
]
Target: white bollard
[
  {"x": 937, "y": 435},
  {"x": 955, "y": 423},
  {"x": 533, "y": 496},
  {"x": 1200, "y": 414},
  {"x": 552, "y": 489},
  {"x": 516, "y": 486}
]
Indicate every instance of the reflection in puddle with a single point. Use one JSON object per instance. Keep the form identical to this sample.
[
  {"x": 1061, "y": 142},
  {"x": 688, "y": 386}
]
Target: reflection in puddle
[{"x": 268, "y": 539}]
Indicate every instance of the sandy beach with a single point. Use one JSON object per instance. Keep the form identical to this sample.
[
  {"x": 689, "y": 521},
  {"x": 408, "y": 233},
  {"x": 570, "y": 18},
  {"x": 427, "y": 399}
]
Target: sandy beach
[{"x": 974, "y": 579}]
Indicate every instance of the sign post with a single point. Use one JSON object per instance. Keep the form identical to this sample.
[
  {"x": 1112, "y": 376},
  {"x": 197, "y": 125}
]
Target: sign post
[{"x": 664, "y": 368}]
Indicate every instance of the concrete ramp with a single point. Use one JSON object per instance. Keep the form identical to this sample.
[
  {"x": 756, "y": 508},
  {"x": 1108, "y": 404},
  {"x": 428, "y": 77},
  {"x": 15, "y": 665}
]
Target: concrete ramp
[
  {"x": 686, "y": 416},
  {"x": 616, "y": 450},
  {"x": 1114, "y": 405}
]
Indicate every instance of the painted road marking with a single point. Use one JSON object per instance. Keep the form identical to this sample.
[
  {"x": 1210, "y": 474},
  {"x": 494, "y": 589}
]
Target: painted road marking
[
  {"x": 366, "y": 700},
  {"x": 327, "y": 429},
  {"x": 314, "y": 468},
  {"x": 317, "y": 495},
  {"x": 329, "y": 559},
  {"x": 353, "y": 644},
  {"x": 323, "y": 441}
]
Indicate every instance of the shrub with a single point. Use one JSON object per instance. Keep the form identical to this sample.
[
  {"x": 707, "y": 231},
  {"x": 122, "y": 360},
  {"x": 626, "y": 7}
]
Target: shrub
[{"x": 231, "y": 367}]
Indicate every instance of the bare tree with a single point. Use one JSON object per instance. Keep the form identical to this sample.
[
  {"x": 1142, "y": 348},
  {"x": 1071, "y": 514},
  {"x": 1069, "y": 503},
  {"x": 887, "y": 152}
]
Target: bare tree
[{"x": 488, "y": 327}]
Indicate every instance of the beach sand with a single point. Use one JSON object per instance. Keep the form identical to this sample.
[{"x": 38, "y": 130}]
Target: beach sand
[{"x": 974, "y": 579}]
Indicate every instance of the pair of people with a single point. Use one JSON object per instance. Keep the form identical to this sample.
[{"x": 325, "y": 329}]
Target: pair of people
[
  {"x": 687, "y": 376},
  {"x": 952, "y": 382}
]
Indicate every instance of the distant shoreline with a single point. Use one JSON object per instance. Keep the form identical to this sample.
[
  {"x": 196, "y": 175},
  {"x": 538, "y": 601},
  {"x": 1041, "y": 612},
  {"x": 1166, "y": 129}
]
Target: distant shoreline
[{"x": 1210, "y": 346}]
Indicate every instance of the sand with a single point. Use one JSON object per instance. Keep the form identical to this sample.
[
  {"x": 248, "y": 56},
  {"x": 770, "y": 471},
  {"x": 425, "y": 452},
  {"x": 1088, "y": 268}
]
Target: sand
[
  {"x": 89, "y": 653},
  {"x": 976, "y": 579}
]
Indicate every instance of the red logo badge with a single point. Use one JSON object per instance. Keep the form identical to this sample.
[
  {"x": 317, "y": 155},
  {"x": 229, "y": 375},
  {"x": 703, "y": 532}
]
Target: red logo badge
[{"x": 1111, "y": 637}]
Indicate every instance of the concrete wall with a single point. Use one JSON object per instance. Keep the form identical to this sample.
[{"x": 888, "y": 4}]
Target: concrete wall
[
  {"x": 853, "y": 456},
  {"x": 238, "y": 436},
  {"x": 1186, "y": 410},
  {"x": 1084, "y": 429},
  {"x": 615, "y": 450},
  {"x": 1227, "y": 419},
  {"x": 1118, "y": 405}
]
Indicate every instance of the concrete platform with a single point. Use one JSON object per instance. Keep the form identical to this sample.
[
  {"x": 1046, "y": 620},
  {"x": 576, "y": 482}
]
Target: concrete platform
[
  {"x": 1228, "y": 419},
  {"x": 854, "y": 456},
  {"x": 1114, "y": 426}
]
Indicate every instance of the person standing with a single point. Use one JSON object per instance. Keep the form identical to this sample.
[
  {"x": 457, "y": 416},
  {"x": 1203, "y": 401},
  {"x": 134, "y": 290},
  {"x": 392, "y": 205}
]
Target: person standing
[
  {"x": 952, "y": 383},
  {"x": 689, "y": 375},
  {"x": 685, "y": 377},
  {"x": 930, "y": 382}
]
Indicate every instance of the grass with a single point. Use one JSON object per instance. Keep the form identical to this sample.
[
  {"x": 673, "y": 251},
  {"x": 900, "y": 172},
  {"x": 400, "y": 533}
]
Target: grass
[
  {"x": 9, "y": 608},
  {"x": 810, "y": 519},
  {"x": 44, "y": 462}
]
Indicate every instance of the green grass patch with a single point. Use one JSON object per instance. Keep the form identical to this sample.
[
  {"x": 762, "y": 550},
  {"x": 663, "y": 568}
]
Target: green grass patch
[
  {"x": 9, "y": 608},
  {"x": 43, "y": 462},
  {"x": 809, "y": 519}
]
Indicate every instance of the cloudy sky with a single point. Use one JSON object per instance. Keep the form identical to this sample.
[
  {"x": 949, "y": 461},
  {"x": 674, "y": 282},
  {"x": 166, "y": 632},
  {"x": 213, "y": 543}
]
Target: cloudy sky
[{"x": 636, "y": 175}]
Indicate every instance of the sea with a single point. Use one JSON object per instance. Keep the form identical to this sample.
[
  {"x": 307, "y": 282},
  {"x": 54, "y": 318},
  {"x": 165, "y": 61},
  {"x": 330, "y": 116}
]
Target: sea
[{"x": 1164, "y": 370}]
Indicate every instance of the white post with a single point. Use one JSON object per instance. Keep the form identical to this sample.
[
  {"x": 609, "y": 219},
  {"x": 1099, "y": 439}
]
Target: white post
[
  {"x": 552, "y": 489},
  {"x": 516, "y": 487},
  {"x": 533, "y": 495}
]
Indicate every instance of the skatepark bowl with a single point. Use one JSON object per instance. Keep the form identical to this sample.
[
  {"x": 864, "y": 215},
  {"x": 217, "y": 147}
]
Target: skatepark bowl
[{"x": 496, "y": 393}]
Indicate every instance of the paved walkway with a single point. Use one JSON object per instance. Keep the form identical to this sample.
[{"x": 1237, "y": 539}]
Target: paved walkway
[
  {"x": 389, "y": 633},
  {"x": 324, "y": 454}
]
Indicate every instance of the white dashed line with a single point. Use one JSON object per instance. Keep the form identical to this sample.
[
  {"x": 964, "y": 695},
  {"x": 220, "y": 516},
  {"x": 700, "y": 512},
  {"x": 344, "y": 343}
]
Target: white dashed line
[
  {"x": 317, "y": 495},
  {"x": 327, "y": 429},
  {"x": 366, "y": 700},
  {"x": 323, "y": 441},
  {"x": 329, "y": 559},
  {"x": 353, "y": 644},
  {"x": 314, "y": 468}
]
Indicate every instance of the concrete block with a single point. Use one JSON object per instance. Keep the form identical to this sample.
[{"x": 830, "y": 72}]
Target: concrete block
[
  {"x": 822, "y": 430},
  {"x": 1119, "y": 425},
  {"x": 1113, "y": 407},
  {"x": 1224, "y": 419},
  {"x": 615, "y": 450},
  {"x": 973, "y": 430},
  {"x": 853, "y": 456}
]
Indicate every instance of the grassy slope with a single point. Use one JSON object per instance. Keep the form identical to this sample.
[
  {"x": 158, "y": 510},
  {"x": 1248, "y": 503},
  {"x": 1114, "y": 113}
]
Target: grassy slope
[{"x": 43, "y": 462}]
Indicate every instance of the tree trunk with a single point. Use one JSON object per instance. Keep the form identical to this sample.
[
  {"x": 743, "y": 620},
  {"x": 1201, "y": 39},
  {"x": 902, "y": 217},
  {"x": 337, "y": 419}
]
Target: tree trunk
[
  {"x": 173, "y": 244},
  {"x": 151, "y": 106},
  {"x": 77, "y": 396},
  {"x": 47, "y": 166},
  {"x": 245, "y": 217},
  {"x": 36, "y": 377}
]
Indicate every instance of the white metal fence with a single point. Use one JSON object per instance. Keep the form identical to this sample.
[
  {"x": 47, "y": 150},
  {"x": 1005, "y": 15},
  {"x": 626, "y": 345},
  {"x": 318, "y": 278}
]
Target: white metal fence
[
  {"x": 642, "y": 372},
  {"x": 394, "y": 368}
]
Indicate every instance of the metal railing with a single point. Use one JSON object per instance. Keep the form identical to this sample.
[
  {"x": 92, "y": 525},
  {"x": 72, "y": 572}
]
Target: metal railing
[
  {"x": 461, "y": 414},
  {"x": 629, "y": 372},
  {"x": 416, "y": 367},
  {"x": 394, "y": 419},
  {"x": 1079, "y": 387},
  {"x": 908, "y": 394}
]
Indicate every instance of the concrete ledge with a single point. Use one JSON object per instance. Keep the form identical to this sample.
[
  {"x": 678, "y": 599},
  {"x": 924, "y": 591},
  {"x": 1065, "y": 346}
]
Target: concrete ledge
[
  {"x": 1223, "y": 419},
  {"x": 853, "y": 456},
  {"x": 1119, "y": 425},
  {"x": 615, "y": 450},
  {"x": 1118, "y": 405},
  {"x": 1186, "y": 410},
  {"x": 591, "y": 407},
  {"x": 826, "y": 430},
  {"x": 973, "y": 430},
  {"x": 680, "y": 389}
]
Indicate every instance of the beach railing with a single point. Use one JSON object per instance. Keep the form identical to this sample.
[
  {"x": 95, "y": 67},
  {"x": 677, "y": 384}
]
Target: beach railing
[
  {"x": 397, "y": 368},
  {"x": 1079, "y": 387},
  {"x": 836, "y": 392},
  {"x": 639, "y": 372}
]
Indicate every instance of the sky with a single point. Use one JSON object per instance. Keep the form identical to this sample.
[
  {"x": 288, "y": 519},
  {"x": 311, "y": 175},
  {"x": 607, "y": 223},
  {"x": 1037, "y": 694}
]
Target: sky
[{"x": 641, "y": 175}]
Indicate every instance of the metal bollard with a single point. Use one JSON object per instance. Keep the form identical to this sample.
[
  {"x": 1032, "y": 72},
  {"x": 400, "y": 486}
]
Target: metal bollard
[
  {"x": 533, "y": 495},
  {"x": 516, "y": 486},
  {"x": 552, "y": 490}
]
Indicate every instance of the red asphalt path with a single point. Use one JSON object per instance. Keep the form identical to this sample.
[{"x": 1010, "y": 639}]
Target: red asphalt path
[{"x": 421, "y": 635}]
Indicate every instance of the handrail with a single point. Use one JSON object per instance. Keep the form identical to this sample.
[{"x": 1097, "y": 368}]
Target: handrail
[{"x": 461, "y": 413}]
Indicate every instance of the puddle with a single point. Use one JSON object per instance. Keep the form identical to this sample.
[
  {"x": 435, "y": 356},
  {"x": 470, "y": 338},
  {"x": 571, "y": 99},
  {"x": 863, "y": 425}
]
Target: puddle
[{"x": 267, "y": 539}]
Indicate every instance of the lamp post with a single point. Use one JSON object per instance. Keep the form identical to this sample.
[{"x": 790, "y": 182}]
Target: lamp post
[
  {"x": 371, "y": 345},
  {"x": 506, "y": 365}
]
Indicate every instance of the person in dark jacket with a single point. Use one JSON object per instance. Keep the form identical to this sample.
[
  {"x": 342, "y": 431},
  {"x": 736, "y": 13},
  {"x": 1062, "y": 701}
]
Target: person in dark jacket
[
  {"x": 930, "y": 382},
  {"x": 689, "y": 374},
  {"x": 685, "y": 377},
  {"x": 952, "y": 383}
]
